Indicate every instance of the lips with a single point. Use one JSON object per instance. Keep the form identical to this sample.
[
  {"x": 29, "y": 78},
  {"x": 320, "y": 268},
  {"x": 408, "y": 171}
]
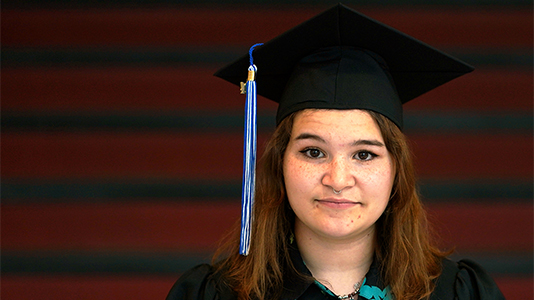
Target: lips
[{"x": 337, "y": 203}]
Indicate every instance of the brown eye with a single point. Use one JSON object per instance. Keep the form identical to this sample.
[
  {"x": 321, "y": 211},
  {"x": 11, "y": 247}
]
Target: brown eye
[
  {"x": 365, "y": 155},
  {"x": 313, "y": 153}
]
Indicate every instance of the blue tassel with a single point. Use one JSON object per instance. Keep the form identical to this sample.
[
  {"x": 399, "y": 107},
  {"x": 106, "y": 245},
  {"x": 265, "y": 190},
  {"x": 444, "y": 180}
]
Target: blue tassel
[{"x": 249, "y": 158}]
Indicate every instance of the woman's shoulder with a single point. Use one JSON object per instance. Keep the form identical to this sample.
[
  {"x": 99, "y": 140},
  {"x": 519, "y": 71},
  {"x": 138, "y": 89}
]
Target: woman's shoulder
[
  {"x": 465, "y": 280},
  {"x": 200, "y": 283}
]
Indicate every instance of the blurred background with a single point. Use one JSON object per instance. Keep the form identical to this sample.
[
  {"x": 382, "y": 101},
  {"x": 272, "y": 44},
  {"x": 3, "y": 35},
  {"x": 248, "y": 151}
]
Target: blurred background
[{"x": 121, "y": 153}]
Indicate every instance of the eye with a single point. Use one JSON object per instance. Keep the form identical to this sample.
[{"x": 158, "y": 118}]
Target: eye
[
  {"x": 313, "y": 153},
  {"x": 365, "y": 155}
]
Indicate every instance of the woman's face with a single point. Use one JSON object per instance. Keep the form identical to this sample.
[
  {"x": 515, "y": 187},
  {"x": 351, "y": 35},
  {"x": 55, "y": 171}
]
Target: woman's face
[{"x": 342, "y": 150}]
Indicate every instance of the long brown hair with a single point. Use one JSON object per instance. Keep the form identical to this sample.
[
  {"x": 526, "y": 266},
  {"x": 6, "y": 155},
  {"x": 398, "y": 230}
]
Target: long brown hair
[{"x": 409, "y": 261}]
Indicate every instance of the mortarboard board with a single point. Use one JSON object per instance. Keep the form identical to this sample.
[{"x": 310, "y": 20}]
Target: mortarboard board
[
  {"x": 341, "y": 37},
  {"x": 339, "y": 59}
]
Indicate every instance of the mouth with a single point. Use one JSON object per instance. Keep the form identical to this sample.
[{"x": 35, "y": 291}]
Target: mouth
[{"x": 337, "y": 203}]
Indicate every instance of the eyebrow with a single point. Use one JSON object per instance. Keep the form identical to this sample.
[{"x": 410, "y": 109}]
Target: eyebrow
[
  {"x": 368, "y": 143},
  {"x": 309, "y": 136},
  {"x": 305, "y": 136}
]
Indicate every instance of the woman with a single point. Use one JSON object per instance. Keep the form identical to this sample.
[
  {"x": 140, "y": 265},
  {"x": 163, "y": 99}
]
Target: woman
[{"x": 336, "y": 212}]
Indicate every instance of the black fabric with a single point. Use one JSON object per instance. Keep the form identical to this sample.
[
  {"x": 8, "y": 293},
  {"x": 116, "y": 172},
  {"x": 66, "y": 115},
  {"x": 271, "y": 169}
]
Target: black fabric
[
  {"x": 473, "y": 283},
  {"x": 465, "y": 280},
  {"x": 341, "y": 78},
  {"x": 415, "y": 67},
  {"x": 296, "y": 277},
  {"x": 200, "y": 283}
]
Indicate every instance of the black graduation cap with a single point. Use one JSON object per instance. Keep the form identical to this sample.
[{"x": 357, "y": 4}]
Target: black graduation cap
[{"x": 342, "y": 59}]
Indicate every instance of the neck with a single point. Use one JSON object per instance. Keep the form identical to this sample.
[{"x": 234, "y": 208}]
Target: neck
[{"x": 337, "y": 263}]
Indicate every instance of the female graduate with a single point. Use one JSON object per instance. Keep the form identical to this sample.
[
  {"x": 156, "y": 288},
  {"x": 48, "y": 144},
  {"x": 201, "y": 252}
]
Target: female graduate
[{"x": 336, "y": 214}]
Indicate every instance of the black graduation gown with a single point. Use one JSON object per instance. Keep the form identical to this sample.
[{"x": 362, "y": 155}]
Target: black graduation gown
[{"x": 463, "y": 280}]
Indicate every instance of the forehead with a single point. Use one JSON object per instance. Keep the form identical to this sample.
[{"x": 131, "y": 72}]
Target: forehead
[{"x": 341, "y": 122}]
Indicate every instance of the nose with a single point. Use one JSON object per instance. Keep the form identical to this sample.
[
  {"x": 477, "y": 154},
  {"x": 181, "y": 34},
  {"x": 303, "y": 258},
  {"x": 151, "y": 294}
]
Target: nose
[{"x": 339, "y": 174}]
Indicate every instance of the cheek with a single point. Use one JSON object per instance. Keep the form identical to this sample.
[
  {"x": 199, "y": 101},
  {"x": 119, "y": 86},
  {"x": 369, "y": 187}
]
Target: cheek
[
  {"x": 390, "y": 173},
  {"x": 291, "y": 174},
  {"x": 380, "y": 178},
  {"x": 298, "y": 176},
  {"x": 388, "y": 177}
]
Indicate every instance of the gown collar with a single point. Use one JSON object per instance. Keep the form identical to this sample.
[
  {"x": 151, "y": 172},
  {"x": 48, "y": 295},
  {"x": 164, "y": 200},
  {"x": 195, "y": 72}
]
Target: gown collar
[{"x": 296, "y": 284}]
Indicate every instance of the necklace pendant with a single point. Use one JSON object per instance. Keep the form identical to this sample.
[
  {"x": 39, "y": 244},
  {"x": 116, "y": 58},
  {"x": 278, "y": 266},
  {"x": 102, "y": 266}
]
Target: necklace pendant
[
  {"x": 349, "y": 296},
  {"x": 353, "y": 294}
]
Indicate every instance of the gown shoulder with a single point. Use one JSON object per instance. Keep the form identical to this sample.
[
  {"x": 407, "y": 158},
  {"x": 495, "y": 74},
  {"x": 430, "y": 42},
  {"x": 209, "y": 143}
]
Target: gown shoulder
[
  {"x": 465, "y": 280},
  {"x": 200, "y": 283}
]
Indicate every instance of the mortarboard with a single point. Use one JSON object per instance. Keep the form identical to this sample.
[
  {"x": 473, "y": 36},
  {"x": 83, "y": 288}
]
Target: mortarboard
[
  {"x": 339, "y": 59},
  {"x": 414, "y": 67}
]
